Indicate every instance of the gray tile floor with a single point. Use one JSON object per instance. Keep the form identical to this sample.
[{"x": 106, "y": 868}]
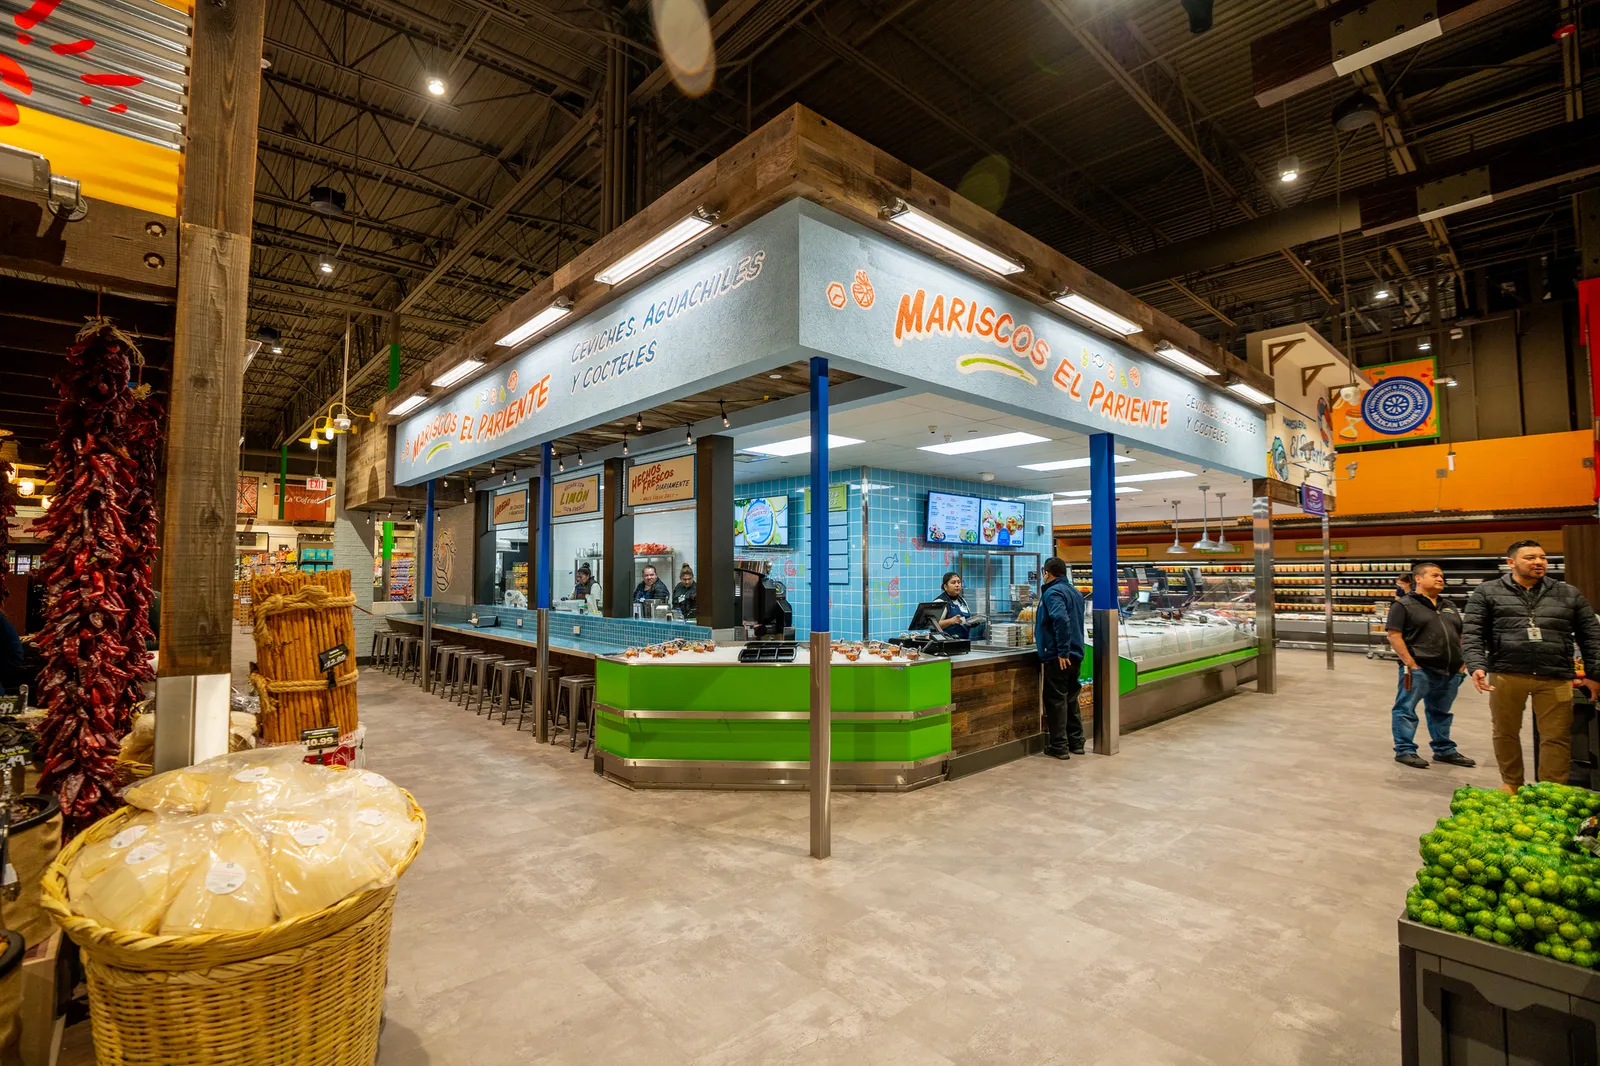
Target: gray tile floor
[{"x": 1222, "y": 891}]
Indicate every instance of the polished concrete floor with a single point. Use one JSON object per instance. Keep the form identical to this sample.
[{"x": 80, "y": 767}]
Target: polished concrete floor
[{"x": 1222, "y": 891}]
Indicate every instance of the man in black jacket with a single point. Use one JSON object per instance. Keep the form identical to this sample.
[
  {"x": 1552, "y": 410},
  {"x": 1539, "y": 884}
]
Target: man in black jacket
[{"x": 1517, "y": 636}]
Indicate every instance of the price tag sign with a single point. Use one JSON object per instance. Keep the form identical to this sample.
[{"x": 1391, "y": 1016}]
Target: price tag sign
[
  {"x": 13, "y": 705},
  {"x": 334, "y": 656},
  {"x": 14, "y": 755},
  {"x": 321, "y": 739}
]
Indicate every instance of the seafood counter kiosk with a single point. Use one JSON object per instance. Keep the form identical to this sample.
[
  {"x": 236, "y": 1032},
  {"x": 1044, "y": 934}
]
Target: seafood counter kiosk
[{"x": 785, "y": 271}]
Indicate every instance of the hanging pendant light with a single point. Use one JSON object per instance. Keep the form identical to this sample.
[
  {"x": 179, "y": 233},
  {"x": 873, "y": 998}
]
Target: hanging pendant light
[
  {"x": 1176, "y": 549},
  {"x": 1205, "y": 543},
  {"x": 1222, "y": 528}
]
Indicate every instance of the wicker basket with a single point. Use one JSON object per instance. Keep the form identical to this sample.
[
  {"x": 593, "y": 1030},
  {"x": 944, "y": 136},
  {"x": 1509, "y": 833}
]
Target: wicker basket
[{"x": 307, "y": 991}]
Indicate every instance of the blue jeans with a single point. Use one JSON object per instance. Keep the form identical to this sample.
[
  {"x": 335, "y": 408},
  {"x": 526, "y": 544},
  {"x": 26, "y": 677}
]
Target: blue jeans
[{"x": 1437, "y": 692}]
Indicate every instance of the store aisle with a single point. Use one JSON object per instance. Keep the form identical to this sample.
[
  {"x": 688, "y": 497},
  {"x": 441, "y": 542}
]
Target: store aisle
[{"x": 1224, "y": 891}]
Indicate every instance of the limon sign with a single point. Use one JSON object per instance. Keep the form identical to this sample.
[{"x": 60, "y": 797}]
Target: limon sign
[{"x": 578, "y": 496}]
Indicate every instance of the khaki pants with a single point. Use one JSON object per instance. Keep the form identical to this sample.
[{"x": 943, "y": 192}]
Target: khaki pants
[{"x": 1552, "y": 710}]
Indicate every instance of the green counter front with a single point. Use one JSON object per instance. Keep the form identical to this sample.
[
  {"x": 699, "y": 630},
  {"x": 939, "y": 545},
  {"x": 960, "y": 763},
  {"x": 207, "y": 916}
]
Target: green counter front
[{"x": 707, "y": 721}]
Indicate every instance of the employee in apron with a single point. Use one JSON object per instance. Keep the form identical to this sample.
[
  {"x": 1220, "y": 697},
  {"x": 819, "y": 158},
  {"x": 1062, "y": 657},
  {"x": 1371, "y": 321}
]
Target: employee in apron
[{"x": 958, "y": 620}]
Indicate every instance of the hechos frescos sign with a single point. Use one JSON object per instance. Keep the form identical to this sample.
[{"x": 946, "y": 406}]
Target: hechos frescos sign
[
  {"x": 663, "y": 481},
  {"x": 930, "y": 326}
]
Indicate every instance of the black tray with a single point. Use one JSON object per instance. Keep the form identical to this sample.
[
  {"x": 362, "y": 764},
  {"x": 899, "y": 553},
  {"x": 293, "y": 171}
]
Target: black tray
[{"x": 768, "y": 651}]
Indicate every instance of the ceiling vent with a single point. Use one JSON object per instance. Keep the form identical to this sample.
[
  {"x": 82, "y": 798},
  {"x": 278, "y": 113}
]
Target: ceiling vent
[{"x": 326, "y": 201}]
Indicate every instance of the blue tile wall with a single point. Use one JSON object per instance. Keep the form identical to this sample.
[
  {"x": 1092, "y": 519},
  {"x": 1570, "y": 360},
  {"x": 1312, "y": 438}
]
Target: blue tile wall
[
  {"x": 619, "y": 631},
  {"x": 904, "y": 571}
]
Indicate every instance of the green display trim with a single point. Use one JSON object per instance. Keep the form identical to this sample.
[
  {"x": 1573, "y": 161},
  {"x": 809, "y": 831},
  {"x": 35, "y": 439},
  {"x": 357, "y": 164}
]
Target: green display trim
[
  {"x": 1198, "y": 664},
  {"x": 784, "y": 740},
  {"x": 915, "y": 686},
  {"x": 1127, "y": 670}
]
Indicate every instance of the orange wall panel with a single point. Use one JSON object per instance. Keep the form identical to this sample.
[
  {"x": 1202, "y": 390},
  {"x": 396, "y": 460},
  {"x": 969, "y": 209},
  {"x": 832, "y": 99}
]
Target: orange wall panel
[{"x": 1507, "y": 473}]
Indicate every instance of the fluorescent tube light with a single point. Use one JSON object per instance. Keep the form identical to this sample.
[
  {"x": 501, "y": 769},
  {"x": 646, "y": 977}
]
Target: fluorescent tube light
[
  {"x": 553, "y": 313},
  {"x": 457, "y": 372},
  {"x": 931, "y": 229},
  {"x": 985, "y": 444},
  {"x": 1071, "y": 503},
  {"x": 1154, "y": 475},
  {"x": 1095, "y": 313},
  {"x": 1086, "y": 492},
  {"x": 658, "y": 247},
  {"x": 1250, "y": 392},
  {"x": 1068, "y": 464},
  {"x": 409, "y": 404},
  {"x": 800, "y": 446},
  {"x": 1179, "y": 357}
]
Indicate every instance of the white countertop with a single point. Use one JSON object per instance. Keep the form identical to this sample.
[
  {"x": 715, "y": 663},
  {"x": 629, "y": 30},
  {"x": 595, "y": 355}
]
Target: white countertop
[{"x": 728, "y": 655}]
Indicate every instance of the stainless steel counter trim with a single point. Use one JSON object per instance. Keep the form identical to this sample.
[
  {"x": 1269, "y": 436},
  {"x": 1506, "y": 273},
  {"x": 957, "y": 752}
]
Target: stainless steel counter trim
[
  {"x": 734, "y": 764},
  {"x": 787, "y": 776},
  {"x": 783, "y": 716}
]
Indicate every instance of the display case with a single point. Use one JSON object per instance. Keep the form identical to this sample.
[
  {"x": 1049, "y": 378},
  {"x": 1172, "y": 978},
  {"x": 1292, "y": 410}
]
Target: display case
[
  {"x": 1171, "y": 615},
  {"x": 1001, "y": 586}
]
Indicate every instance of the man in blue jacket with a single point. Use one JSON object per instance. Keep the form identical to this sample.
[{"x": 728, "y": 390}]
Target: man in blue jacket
[{"x": 1058, "y": 634}]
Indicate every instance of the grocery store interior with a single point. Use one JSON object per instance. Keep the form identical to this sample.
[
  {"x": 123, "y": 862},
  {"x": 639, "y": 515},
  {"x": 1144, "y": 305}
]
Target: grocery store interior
[{"x": 764, "y": 533}]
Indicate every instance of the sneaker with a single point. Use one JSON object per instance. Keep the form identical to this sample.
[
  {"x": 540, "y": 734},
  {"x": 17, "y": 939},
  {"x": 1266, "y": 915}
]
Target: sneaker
[
  {"x": 1455, "y": 758},
  {"x": 1076, "y": 749},
  {"x": 1062, "y": 755},
  {"x": 1412, "y": 759}
]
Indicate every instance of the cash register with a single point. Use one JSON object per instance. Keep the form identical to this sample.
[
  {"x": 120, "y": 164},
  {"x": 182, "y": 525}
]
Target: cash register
[{"x": 932, "y": 640}]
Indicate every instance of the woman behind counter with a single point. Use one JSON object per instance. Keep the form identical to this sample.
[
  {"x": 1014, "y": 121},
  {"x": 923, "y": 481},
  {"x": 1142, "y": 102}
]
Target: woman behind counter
[
  {"x": 958, "y": 620},
  {"x": 685, "y": 594}
]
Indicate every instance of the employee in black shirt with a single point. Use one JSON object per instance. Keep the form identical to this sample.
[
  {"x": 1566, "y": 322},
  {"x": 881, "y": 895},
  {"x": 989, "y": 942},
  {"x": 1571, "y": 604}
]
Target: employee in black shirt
[
  {"x": 685, "y": 594},
  {"x": 1425, "y": 632}
]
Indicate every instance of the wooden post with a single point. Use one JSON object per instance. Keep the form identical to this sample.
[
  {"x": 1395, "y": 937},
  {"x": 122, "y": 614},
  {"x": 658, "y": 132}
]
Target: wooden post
[
  {"x": 207, "y": 382},
  {"x": 713, "y": 564}
]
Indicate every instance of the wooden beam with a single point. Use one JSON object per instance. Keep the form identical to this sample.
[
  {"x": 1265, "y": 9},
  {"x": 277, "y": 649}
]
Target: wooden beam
[
  {"x": 208, "y": 351},
  {"x": 117, "y": 247}
]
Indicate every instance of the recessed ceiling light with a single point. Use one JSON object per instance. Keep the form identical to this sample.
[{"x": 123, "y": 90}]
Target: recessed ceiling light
[
  {"x": 1071, "y": 503},
  {"x": 1086, "y": 492},
  {"x": 1068, "y": 464},
  {"x": 1154, "y": 475},
  {"x": 931, "y": 229},
  {"x": 409, "y": 404},
  {"x": 985, "y": 444},
  {"x": 800, "y": 445},
  {"x": 1179, "y": 357},
  {"x": 457, "y": 372},
  {"x": 775, "y": 377},
  {"x": 1095, "y": 313},
  {"x": 658, "y": 247},
  {"x": 1250, "y": 392},
  {"x": 556, "y": 311}
]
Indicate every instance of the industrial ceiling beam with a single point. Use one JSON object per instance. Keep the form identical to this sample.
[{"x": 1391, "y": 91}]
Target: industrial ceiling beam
[{"x": 1097, "y": 50}]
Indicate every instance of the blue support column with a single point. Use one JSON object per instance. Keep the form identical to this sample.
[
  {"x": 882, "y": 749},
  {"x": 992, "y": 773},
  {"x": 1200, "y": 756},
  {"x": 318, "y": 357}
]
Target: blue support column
[
  {"x": 1103, "y": 571},
  {"x": 426, "y": 672},
  {"x": 821, "y": 770},
  {"x": 541, "y": 727}
]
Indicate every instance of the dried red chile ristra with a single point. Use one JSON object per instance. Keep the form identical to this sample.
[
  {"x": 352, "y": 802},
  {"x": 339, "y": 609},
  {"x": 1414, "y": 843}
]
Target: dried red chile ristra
[{"x": 100, "y": 533}]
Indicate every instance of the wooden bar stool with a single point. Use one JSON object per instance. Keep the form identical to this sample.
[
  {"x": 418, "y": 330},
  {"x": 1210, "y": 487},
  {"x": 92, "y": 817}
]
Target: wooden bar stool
[
  {"x": 506, "y": 681},
  {"x": 576, "y": 694},
  {"x": 479, "y": 676}
]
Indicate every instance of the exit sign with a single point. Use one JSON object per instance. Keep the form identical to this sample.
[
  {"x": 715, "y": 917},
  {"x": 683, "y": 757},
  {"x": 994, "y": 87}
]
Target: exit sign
[{"x": 316, "y": 484}]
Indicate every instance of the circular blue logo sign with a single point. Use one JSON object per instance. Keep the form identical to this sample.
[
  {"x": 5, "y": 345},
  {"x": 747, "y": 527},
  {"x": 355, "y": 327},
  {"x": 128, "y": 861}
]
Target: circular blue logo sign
[{"x": 1397, "y": 405}]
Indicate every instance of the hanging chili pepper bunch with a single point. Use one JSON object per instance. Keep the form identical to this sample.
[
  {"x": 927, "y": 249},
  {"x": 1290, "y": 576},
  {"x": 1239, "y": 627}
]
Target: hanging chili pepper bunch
[
  {"x": 144, "y": 438},
  {"x": 84, "y": 681},
  {"x": 8, "y": 508}
]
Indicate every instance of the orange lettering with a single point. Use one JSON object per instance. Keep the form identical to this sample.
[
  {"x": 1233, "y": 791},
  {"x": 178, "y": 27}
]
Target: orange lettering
[
  {"x": 908, "y": 319},
  {"x": 542, "y": 389},
  {"x": 972, "y": 309},
  {"x": 986, "y": 322},
  {"x": 1096, "y": 392},
  {"x": 936, "y": 315},
  {"x": 1067, "y": 379},
  {"x": 1003, "y": 321},
  {"x": 957, "y": 305}
]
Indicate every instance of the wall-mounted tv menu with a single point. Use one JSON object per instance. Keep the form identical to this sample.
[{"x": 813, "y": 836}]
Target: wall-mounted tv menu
[
  {"x": 762, "y": 522},
  {"x": 971, "y": 521}
]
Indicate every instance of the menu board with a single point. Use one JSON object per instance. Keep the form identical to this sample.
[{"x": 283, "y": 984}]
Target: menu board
[
  {"x": 762, "y": 522},
  {"x": 1003, "y": 525},
  {"x": 952, "y": 519},
  {"x": 511, "y": 508}
]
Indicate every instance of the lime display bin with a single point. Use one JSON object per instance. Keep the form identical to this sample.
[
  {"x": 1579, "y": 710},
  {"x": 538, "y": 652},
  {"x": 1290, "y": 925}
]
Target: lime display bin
[
  {"x": 732, "y": 725},
  {"x": 1466, "y": 1001}
]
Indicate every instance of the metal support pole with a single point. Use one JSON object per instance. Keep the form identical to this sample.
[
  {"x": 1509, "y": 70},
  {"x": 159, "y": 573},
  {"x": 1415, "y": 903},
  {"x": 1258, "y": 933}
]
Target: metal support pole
[
  {"x": 1327, "y": 591},
  {"x": 821, "y": 776},
  {"x": 1266, "y": 632},
  {"x": 1103, "y": 570},
  {"x": 427, "y": 594},
  {"x": 541, "y": 728}
]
